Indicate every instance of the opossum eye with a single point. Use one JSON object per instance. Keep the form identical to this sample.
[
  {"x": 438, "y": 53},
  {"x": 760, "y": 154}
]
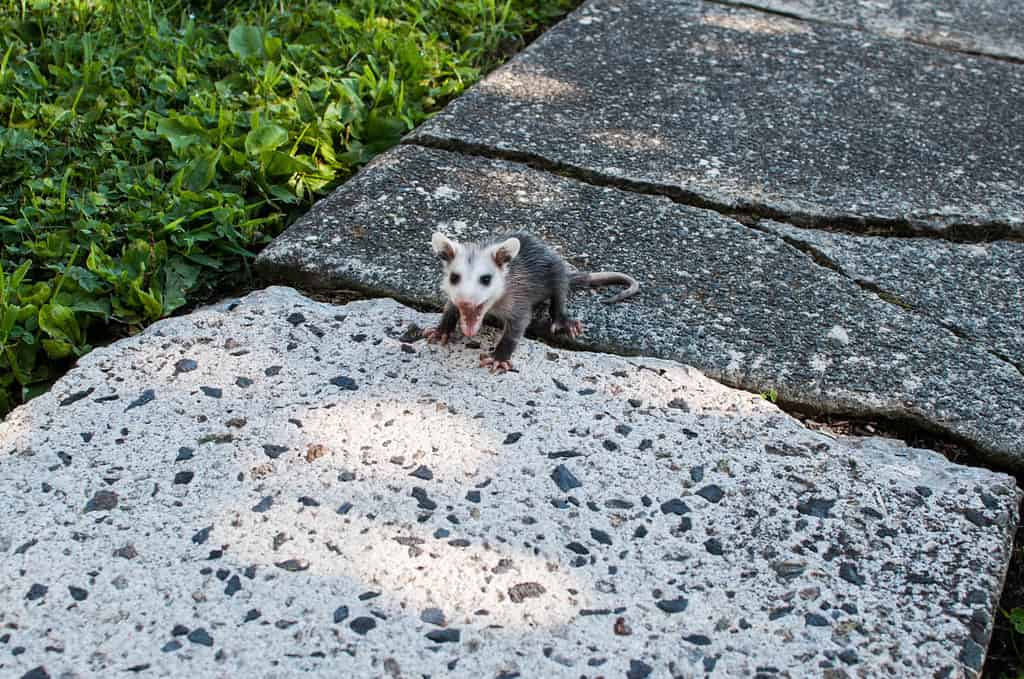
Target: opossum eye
[
  {"x": 454, "y": 278},
  {"x": 485, "y": 279}
]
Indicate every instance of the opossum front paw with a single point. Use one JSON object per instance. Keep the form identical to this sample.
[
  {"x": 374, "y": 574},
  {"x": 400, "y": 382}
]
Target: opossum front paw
[
  {"x": 496, "y": 367},
  {"x": 571, "y": 327},
  {"x": 434, "y": 335}
]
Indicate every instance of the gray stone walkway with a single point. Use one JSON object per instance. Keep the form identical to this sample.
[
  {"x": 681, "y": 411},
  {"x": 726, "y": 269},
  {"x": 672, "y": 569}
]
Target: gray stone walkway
[
  {"x": 749, "y": 111},
  {"x": 276, "y": 487}
]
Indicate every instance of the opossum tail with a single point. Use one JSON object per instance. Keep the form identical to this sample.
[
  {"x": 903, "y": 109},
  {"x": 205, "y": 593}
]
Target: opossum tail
[{"x": 599, "y": 279}]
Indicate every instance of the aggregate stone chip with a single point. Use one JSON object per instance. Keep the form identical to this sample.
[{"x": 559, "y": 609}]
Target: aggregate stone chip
[
  {"x": 976, "y": 289},
  {"x": 748, "y": 110},
  {"x": 860, "y": 555},
  {"x": 992, "y": 27},
  {"x": 740, "y": 304}
]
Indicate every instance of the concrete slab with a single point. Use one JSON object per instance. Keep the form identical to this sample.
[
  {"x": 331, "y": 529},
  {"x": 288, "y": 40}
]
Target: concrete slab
[
  {"x": 739, "y": 304},
  {"x": 976, "y": 289},
  {"x": 990, "y": 27},
  {"x": 277, "y": 486},
  {"x": 745, "y": 110}
]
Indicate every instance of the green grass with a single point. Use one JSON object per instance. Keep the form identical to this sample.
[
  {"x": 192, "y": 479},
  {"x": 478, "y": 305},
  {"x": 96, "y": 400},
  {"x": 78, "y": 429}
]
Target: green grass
[{"x": 148, "y": 149}]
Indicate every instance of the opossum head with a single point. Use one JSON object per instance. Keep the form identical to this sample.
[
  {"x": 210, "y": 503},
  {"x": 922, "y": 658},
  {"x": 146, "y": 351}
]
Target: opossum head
[{"x": 474, "y": 276}]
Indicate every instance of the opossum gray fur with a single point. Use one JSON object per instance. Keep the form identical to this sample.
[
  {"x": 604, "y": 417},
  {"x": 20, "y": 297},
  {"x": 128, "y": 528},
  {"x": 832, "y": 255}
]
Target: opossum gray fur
[{"x": 508, "y": 277}]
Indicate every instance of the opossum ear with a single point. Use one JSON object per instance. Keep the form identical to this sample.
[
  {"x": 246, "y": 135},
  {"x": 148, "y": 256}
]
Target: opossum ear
[
  {"x": 443, "y": 247},
  {"x": 505, "y": 252}
]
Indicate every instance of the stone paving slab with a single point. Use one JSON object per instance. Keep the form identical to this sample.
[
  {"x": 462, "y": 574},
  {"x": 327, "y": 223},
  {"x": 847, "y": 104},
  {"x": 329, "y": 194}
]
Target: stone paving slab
[
  {"x": 977, "y": 289},
  {"x": 739, "y": 304},
  {"x": 991, "y": 27},
  {"x": 277, "y": 486},
  {"x": 745, "y": 110}
]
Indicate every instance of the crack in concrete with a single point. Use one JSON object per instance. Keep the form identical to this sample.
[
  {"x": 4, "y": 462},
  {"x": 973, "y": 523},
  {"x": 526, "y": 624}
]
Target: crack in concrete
[
  {"x": 823, "y": 260},
  {"x": 860, "y": 29},
  {"x": 746, "y": 213}
]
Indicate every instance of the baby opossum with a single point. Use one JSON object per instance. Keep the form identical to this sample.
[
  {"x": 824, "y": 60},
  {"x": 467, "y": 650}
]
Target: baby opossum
[{"x": 507, "y": 279}]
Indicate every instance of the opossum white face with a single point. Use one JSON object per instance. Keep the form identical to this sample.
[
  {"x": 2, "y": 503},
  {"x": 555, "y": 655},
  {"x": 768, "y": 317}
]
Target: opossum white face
[{"x": 473, "y": 276}]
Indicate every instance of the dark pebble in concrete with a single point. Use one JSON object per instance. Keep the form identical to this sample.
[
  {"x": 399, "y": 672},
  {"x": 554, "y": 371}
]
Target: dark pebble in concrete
[
  {"x": 36, "y": 591},
  {"x": 674, "y": 506},
  {"x": 346, "y": 383},
  {"x": 441, "y": 636},
  {"x": 433, "y": 616},
  {"x": 673, "y": 605},
  {"x": 711, "y": 493},
  {"x": 77, "y": 396},
  {"x": 185, "y": 365},
  {"x": 423, "y": 472},
  {"x": 638, "y": 670},
  {"x": 273, "y": 451},
  {"x": 525, "y": 590},
  {"x": 146, "y": 396},
  {"x": 102, "y": 501},
  {"x": 423, "y": 501},
  {"x": 564, "y": 479},
  {"x": 362, "y": 625},
  {"x": 848, "y": 572},
  {"x": 816, "y": 506},
  {"x": 200, "y": 636}
]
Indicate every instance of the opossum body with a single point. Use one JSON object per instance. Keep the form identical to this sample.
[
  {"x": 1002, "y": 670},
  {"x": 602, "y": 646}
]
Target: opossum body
[{"x": 508, "y": 278}]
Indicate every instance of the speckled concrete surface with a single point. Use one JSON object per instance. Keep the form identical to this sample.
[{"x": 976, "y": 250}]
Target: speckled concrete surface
[
  {"x": 748, "y": 110},
  {"x": 977, "y": 289},
  {"x": 275, "y": 487},
  {"x": 739, "y": 304},
  {"x": 990, "y": 27}
]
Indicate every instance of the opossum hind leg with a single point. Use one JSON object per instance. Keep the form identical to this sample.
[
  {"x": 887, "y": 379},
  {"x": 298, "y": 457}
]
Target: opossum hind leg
[{"x": 560, "y": 321}]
